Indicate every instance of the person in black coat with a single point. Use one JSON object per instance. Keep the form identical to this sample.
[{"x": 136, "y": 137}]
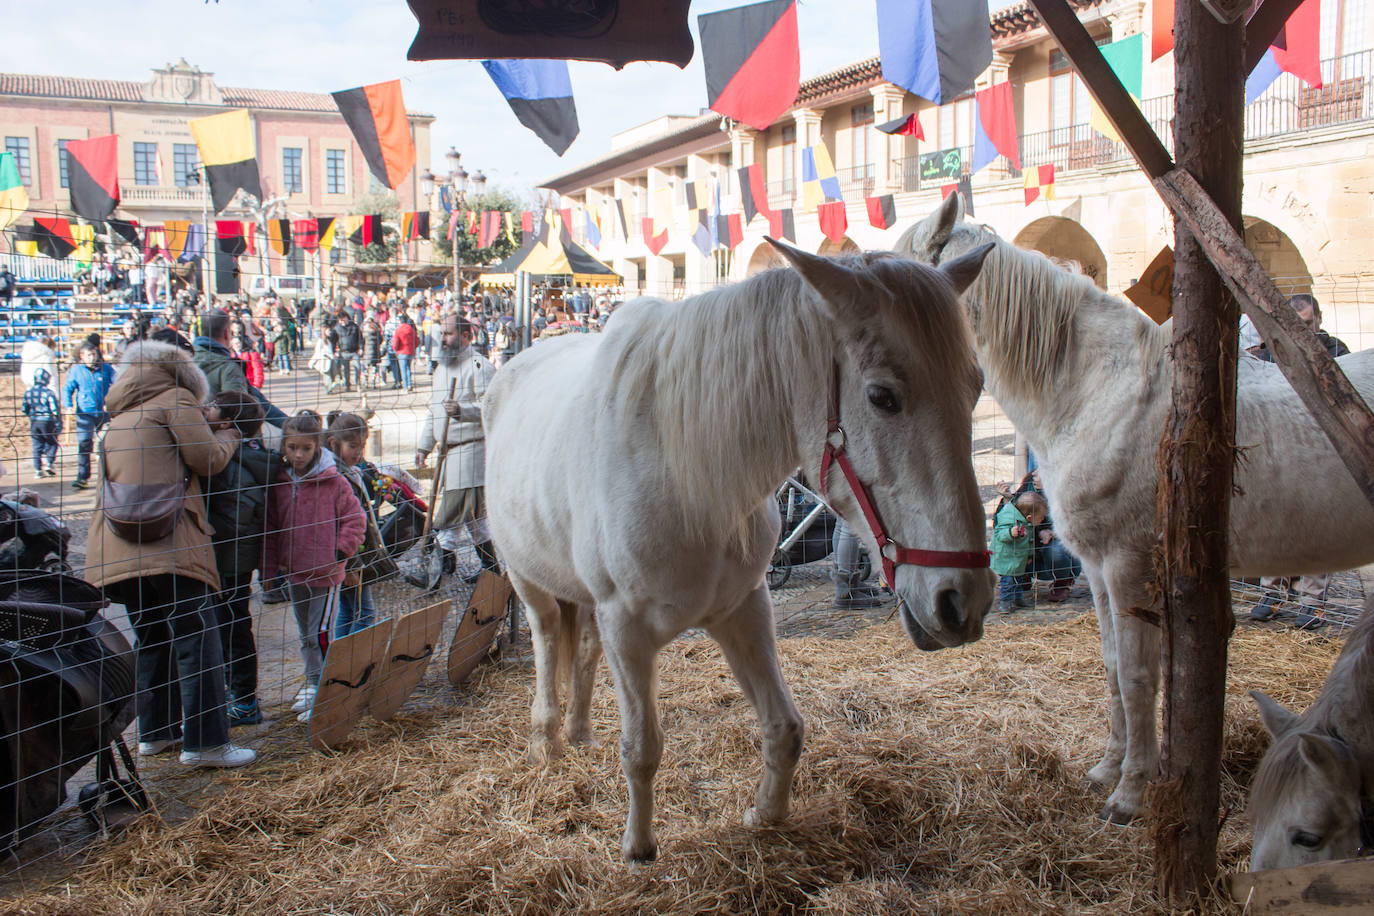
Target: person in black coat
[{"x": 236, "y": 499}]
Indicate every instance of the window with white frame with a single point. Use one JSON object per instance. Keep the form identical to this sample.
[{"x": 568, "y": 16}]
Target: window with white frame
[
  {"x": 955, "y": 124},
  {"x": 62, "y": 178},
  {"x": 19, "y": 148},
  {"x": 335, "y": 174},
  {"x": 185, "y": 161},
  {"x": 860, "y": 134},
  {"x": 145, "y": 163},
  {"x": 292, "y": 179}
]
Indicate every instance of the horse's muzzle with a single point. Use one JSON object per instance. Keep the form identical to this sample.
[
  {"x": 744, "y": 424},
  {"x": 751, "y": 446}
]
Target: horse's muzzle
[{"x": 957, "y": 625}]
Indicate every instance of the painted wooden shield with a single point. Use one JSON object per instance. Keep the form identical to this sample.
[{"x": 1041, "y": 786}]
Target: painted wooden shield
[
  {"x": 479, "y": 625},
  {"x": 352, "y": 671},
  {"x": 412, "y": 644}
]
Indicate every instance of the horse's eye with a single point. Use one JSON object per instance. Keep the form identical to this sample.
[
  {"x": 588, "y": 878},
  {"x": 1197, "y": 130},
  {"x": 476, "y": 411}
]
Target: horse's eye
[
  {"x": 883, "y": 399},
  {"x": 1306, "y": 840}
]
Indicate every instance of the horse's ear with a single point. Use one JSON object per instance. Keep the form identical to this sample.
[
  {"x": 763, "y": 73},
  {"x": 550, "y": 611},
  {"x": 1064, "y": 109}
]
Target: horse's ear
[
  {"x": 834, "y": 282},
  {"x": 1277, "y": 720},
  {"x": 963, "y": 270},
  {"x": 950, "y": 213}
]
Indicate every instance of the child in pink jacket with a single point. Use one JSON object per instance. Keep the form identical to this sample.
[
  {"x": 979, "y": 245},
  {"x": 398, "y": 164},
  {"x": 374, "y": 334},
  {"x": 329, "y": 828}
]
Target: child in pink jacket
[{"x": 314, "y": 524}]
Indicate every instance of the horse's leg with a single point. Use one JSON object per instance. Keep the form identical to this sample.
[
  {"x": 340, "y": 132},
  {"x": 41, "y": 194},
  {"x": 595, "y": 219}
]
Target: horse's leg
[
  {"x": 1108, "y": 772},
  {"x": 633, "y": 659},
  {"x": 1137, "y": 672},
  {"x": 542, "y": 612},
  {"x": 748, "y": 640},
  {"x": 580, "y": 629}
]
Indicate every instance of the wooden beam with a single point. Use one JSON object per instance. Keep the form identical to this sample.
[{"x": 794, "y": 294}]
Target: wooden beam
[
  {"x": 1264, "y": 27},
  {"x": 1329, "y": 396},
  {"x": 1115, "y": 101},
  {"x": 1344, "y": 887}
]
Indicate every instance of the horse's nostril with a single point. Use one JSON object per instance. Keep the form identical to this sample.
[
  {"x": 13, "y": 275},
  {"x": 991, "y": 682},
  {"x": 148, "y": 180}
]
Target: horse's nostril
[{"x": 949, "y": 609}]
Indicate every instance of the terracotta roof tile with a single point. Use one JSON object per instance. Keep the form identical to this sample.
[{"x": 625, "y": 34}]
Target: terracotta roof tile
[
  {"x": 1022, "y": 17},
  {"x": 66, "y": 87}
]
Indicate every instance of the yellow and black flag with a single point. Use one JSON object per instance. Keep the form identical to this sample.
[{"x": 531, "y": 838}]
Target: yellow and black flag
[
  {"x": 377, "y": 116},
  {"x": 229, "y": 154},
  {"x": 326, "y": 226}
]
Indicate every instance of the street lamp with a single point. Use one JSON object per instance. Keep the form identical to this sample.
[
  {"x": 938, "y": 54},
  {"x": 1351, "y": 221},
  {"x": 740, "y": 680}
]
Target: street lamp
[{"x": 458, "y": 181}]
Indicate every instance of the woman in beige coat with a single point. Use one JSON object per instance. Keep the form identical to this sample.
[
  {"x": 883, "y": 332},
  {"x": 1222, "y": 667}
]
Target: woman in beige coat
[{"x": 158, "y": 434}]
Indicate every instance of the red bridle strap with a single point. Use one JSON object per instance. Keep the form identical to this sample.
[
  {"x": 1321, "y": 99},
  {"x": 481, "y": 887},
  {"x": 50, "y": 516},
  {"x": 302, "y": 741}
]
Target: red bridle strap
[{"x": 893, "y": 554}]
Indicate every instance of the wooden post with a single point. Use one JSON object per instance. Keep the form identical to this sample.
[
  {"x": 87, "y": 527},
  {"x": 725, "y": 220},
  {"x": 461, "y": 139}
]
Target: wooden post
[{"x": 1196, "y": 459}]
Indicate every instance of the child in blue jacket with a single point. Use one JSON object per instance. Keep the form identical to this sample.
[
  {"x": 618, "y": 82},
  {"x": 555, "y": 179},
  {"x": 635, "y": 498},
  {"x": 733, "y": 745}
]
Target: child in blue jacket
[
  {"x": 84, "y": 394},
  {"x": 45, "y": 423}
]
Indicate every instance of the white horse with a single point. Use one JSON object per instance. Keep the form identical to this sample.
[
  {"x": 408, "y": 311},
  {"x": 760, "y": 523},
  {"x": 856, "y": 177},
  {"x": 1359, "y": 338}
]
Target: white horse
[
  {"x": 1085, "y": 377},
  {"x": 1311, "y": 797},
  {"x": 631, "y": 477}
]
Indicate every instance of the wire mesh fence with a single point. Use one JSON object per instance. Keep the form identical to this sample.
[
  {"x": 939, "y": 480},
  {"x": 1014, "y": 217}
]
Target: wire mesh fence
[{"x": 306, "y": 567}]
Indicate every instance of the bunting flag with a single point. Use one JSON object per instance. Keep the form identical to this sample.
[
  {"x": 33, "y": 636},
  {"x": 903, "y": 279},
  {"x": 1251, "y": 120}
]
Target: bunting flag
[
  {"x": 279, "y": 236},
  {"x": 833, "y": 219},
  {"x": 1127, "y": 60},
  {"x": 14, "y": 198},
  {"x": 934, "y": 48},
  {"x": 305, "y": 234},
  {"x": 656, "y": 226},
  {"x": 1161, "y": 28},
  {"x": 377, "y": 116},
  {"x": 964, "y": 187},
  {"x": 453, "y": 220},
  {"x": 228, "y": 154},
  {"x": 195, "y": 243},
  {"x": 995, "y": 126},
  {"x": 593, "y": 231},
  {"x": 482, "y": 240},
  {"x": 126, "y": 229},
  {"x": 54, "y": 236},
  {"x": 540, "y": 94},
  {"x": 414, "y": 225},
  {"x": 654, "y": 241},
  {"x": 906, "y": 126},
  {"x": 752, "y": 191},
  {"x": 701, "y": 233},
  {"x": 446, "y": 199},
  {"x": 620, "y": 213},
  {"x": 819, "y": 182},
  {"x": 250, "y": 233},
  {"x": 565, "y": 227},
  {"x": 84, "y": 236},
  {"x": 176, "y": 231},
  {"x": 508, "y": 218},
  {"x": 1039, "y": 183},
  {"x": 154, "y": 242},
  {"x": 26, "y": 240},
  {"x": 93, "y": 176},
  {"x": 731, "y": 230},
  {"x": 882, "y": 211},
  {"x": 752, "y": 61},
  {"x": 782, "y": 224},
  {"x": 470, "y": 218},
  {"x": 1296, "y": 50},
  {"x": 364, "y": 230},
  {"x": 526, "y": 221},
  {"x": 324, "y": 227}
]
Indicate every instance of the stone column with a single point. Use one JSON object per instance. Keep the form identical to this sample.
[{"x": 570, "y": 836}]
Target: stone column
[{"x": 887, "y": 106}]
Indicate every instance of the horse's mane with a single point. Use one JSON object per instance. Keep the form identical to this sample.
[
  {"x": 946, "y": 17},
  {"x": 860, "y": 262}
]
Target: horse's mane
[
  {"x": 1025, "y": 305},
  {"x": 716, "y": 375},
  {"x": 1283, "y": 763}
]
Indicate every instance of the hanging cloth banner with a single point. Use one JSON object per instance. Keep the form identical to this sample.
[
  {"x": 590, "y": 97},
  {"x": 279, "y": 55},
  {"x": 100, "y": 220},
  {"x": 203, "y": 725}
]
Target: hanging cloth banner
[
  {"x": 1296, "y": 50},
  {"x": 963, "y": 187},
  {"x": 54, "y": 236},
  {"x": 1127, "y": 60},
  {"x": 471, "y": 220},
  {"x": 279, "y": 236},
  {"x": 620, "y": 214},
  {"x": 905, "y": 126},
  {"x": 995, "y": 126},
  {"x": 882, "y": 211},
  {"x": 540, "y": 94},
  {"x": 93, "y": 176},
  {"x": 324, "y": 227},
  {"x": 526, "y": 221},
  {"x": 782, "y": 225},
  {"x": 752, "y": 61},
  {"x": 125, "y": 229},
  {"x": 154, "y": 242},
  {"x": 305, "y": 234},
  {"x": 934, "y": 48},
  {"x": 14, "y": 197},
  {"x": 753, "y": 192},
  {"x": 833, "y": 219},
  {"x": 377, "y": 116},
  {"x": 509, "y": 218},
  {"x": 250, "y": 234},
  {"x": 819, "y": 182},
  {"x": 195, "y": 243},
  {"x": 730, "y": 229},
  {"x": 229, "y": 236},
  {"x": 229, "y": 155},
  {"x": 176, "y": 232},
  {"x": 1039, "y": 183}
]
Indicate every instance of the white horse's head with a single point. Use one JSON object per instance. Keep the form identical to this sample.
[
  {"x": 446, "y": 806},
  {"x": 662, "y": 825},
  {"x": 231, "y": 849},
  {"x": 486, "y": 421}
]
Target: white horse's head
[
  {"x": 1305, "y": 801},
  {"x": 906, "y": 384},
  {"x": 943, "y": 235}
]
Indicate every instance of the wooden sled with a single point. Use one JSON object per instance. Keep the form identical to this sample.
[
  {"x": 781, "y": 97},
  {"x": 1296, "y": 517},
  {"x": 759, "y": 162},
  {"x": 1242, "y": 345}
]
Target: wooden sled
[
  {"x": 352, "y": 668},
  {"x": 479, "y": 626},
  {"x": 412, "y": 644}
]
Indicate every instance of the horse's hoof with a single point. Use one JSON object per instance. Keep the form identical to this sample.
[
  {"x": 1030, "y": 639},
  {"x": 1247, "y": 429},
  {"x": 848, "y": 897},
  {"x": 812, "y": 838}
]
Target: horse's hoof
[
  {"x": 752, "y": 818},
  {"x": 1119, "y": 816},
  {"x": 545, "y": 752},
  {"x": 1092, "y": 785},
  {"x": 1104, "y": 776},
  {"x": 639, "y": 854},
  {"x": 583, "y": 739}
]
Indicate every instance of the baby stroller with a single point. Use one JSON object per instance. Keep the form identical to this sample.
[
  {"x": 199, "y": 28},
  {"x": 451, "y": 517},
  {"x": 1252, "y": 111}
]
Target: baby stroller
[
  {"x": 808, "y": 529},
  {"x": 400, "y": 510},
  {"x": 31, "y": 538}
]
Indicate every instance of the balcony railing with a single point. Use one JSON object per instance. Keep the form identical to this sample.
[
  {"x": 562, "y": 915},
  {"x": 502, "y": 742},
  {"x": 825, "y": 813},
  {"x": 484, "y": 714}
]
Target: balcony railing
[
  {"x": 781, "y": 194},
  {"x": 858, "y": 182},
  {"x": 160, "y": 195},
  {"x": 1288, "y": 107}
]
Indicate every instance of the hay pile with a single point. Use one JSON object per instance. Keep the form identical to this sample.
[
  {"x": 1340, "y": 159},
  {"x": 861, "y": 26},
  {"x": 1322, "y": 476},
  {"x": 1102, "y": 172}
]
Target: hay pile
[{"x": 941, "y": 783}]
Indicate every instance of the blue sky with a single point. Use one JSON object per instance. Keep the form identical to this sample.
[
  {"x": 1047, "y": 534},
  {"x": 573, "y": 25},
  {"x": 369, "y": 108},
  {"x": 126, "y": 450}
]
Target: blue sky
[{"x": 324, "y": 46}]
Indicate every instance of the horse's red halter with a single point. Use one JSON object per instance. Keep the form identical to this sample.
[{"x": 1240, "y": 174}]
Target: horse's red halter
[{"x": 893, "y": 554}]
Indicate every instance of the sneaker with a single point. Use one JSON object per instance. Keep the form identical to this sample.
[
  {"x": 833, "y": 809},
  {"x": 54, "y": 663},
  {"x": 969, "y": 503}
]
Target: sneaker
[
  {"x": 1309, "y": 620},
  {"x": 1059, "y": 593},
  {"x": 1267, "y": 607},
  {"x": 153, "y": 748},
  {"x": 304, "y": 699},
  {"x": 865, "y": 596},
  {"x": 49, "y": 472},
  {"x": 80, "y": 484},
  {"x": 226, "y": 755},
  {"x": 244, "y": 712}
]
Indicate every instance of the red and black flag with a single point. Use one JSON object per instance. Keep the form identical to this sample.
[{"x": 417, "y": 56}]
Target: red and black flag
[
  {"x": 752, "y": 61},
  {"x": 906, "y": 126},
  {"x": 305, "y": 233},
  {"x": 753, "y": 193},
  {"x": 730, "y": 230},
  {"x": 279, "y": 236},
  {"x": 782, "y": 225},
  {"x": 377, "y": 116},
  {"x": 93, "y": 176},
  {"x": 230, "y": 155},
  {"x": 540, "y": 94},
  {"x": 964, "y": 187},
  {"x": 369, "y": 230},
  {"x": 231, "y": 244},
  {"x": 882, "y": 212},
  {"x": 54, "y": 236},
  {"x": 126, "y": 229},
  {"x": 414, "y": 225}
]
